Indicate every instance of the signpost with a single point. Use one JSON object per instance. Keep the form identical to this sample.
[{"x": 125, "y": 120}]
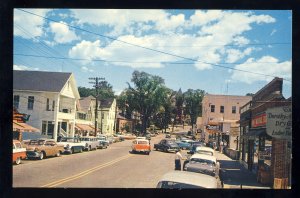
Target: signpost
[{"x": 279, "y": 122}]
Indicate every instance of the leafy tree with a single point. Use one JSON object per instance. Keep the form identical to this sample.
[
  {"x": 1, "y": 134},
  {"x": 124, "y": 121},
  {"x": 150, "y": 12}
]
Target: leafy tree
[
  {"x": 146, "y": 95},
  {"x": 193, "y": 99},
  {"x": 179, "y": 103},
  {"x": 104, "y": 91}
]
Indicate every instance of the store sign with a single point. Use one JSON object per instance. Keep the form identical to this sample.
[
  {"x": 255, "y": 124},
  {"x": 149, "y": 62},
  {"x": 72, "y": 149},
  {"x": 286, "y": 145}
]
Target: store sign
[
  {"x": 279, "y": 122},
  {"x": 213, "y": 127},
  {"x": 264, "y": 155},
  {"x": 259, "y": 121}
]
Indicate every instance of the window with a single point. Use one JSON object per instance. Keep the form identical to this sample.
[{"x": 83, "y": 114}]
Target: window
[
  {"x": 44, "y": 127},
  {"x": 53, "y": 105},
  {"x": 47, "y": 105},
  {"x": 30, "y": 102},
  {"x": 16, "y": 101},
  {"x": 233, "y": 109},
  {"x": 221, "y": 109},
  {"x": 212, "y": 108}
]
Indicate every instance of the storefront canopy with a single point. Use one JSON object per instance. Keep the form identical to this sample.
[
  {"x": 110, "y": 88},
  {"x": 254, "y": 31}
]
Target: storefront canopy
[
  {"x": 23, "y": 127},
  {"x": 256, "y": 133},
  {"x": 84, "y": 127}
]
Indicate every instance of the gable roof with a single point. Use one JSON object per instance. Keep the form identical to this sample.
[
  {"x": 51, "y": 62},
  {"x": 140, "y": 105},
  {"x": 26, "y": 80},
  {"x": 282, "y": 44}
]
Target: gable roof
[
  {"x": 86, "y": 102},
  {"x": 39, "y": 80},
  {"x": 106, "y": 103}
]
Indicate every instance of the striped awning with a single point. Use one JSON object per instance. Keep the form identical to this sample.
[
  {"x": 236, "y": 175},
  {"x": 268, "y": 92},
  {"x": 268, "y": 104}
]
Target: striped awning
[
  {"x": 84, "y": 127},
  {"x": 23, "y": 127}
]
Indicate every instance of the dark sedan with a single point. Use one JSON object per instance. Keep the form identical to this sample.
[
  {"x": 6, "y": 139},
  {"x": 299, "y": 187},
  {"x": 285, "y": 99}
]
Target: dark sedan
[{"x": 166, "y": 146}]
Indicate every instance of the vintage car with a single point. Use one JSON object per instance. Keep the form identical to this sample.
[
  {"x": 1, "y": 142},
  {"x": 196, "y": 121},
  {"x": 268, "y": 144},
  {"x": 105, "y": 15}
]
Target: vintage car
[
  {"x": 90, "y": 143},
  {"x": 72, "y": 145},
  {"x": 202, "y": 163},
  {"x": 42, "y": 148},
  {"x": 129, "y": 136},
  {"x": 166, "y": 146},
  {"x": 103, "y": 143},
  {"x": 141, "y": 146},
  {"x": 205, "y": 150},
  {"x": 183, "y": 145},
  {"x": 19, "y": 152},
  {"x": 141, "y": 138},
  {"x": 186, "y": 180},
  {"x": 110, "y": 139},
  {"x": 118, "y": 138}
]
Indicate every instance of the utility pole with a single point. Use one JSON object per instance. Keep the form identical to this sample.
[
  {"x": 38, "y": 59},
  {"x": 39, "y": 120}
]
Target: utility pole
[{"x": 96, "y": 85}]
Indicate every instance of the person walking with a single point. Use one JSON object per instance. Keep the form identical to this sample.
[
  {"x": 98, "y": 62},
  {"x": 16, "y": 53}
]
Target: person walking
[
  {"x": 178, "y": 158},
  {"x": 221, "y": 146}
]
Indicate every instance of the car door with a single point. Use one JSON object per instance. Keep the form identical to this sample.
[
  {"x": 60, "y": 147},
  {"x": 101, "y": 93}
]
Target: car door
[{"x": 163, "y": 144}]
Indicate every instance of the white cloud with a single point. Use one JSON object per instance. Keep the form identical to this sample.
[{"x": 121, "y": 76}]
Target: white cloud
[
  {"x": 62, "y": 33},
  {"x": 27, "y": 25},
  {"x": 204, "y": 17},
  {"x": 234, "y": 54},
  {"x": 266, "y": 65},
  {"x": 86, "y": 69},
  {"x": 22, "y": 67}
]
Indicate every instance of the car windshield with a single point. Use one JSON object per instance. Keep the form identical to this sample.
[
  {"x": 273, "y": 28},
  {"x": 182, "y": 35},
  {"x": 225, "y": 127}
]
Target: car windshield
[
  {"x": 176, "y": 185},
  {"x": 204, "y": 152},
  {"x": 142, "y": 142},
  {"x": 67, "y": 140},
  {"x": 202, "y": 161},
  {"x": 36, "y": 142}
]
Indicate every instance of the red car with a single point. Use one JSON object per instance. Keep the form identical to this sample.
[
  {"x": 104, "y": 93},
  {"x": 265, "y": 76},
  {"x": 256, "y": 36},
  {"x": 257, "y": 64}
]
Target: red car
[{"x": 19, "y": 152}]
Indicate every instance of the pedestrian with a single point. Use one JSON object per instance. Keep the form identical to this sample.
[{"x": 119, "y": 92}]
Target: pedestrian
[
  {"x": 214, "y": 145},
  {"x": 221, "y": 146},
  {"x": 178, "y": 158}
]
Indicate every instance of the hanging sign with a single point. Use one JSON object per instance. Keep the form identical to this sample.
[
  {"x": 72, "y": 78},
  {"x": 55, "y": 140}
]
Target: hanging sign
[{"x": 279, "y": 122}]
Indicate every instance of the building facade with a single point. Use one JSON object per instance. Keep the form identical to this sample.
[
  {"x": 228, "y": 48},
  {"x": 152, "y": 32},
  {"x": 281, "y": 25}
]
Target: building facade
[
  {"x": 50, "y": 100},
  {"x": 107, "y": 116},
  {"x": 220, "y": 115},
  {"x": 258, "y": 148}
]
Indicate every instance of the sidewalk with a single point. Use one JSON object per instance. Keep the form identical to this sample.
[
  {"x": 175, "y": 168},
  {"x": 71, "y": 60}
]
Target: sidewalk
[{"x": 234, "y": 174}]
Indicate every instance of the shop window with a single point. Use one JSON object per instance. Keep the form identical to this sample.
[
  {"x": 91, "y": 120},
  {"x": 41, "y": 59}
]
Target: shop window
[
  {"x": 30, "y": 102},
  {"x": 221, "y": 109},
  {"x": 44, "y": 127},
  {"x": 16, "y": 101},
  {"x": 212, "y": 108},
  {"x": 234, "y": 109}
]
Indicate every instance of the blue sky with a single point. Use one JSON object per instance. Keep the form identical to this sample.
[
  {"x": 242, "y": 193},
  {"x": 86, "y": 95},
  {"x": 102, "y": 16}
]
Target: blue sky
[{"x": 194, "y": 46}]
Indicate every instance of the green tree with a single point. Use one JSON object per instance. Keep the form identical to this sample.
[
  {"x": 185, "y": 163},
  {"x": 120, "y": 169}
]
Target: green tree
[
  {"x": 105, "y": 91},
  {"x": 146, "y": 95},
  {"x": 193, "y": 99}
]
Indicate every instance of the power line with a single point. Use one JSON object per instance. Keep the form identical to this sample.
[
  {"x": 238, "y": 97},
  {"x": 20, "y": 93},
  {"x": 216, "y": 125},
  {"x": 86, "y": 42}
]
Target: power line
[{"x": 143, "y": 47}]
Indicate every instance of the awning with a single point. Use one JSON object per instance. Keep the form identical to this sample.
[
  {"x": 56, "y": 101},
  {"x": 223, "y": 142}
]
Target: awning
[
  {"x": 256, "y": 133},
  {"x": 22, "y": 127},
  {"x": 84, "y": 127}
]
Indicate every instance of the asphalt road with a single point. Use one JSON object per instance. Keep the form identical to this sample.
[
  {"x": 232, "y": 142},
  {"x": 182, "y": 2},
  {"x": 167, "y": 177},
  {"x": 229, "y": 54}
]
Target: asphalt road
[{"x": 114, "y": 167}]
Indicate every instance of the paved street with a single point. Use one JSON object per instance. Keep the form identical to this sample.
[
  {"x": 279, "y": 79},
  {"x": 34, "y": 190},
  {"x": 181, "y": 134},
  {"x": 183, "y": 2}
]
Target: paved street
[{"x": 109, "y": 168}]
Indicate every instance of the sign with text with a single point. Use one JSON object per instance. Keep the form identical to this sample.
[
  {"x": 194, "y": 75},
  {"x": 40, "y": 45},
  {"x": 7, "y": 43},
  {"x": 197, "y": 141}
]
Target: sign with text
[
  {"x": 213, "y": 127},
  {"x": 279, "y": 122},
  {"x": 259, "y": 121}
]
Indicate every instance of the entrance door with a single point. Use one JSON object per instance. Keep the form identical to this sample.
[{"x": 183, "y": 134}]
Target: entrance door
[{"x": 250, "y": 154}]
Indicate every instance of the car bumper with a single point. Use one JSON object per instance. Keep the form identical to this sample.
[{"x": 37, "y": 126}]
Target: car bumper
[
  {"x": 172, "y": 149},
  {"x": 33, "y": 154}
]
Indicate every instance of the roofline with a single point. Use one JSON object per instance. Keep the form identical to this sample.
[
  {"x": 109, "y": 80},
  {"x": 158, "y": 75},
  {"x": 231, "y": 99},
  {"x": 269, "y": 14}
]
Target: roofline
[{"x": 35, "y": 91}]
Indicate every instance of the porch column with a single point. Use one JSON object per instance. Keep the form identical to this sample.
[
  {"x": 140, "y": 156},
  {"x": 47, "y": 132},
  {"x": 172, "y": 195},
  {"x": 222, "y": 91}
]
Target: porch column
[
  {"x": 73, "y": 121},
  {"x": 56, "y": 118}
]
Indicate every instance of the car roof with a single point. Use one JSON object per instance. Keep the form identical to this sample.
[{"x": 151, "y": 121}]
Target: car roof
[
  {"x": 203, "y": 156},
  {"x": 204, "y": 148},
  {"x": 142, "y": 140},
  {"x": 191, "y": 178}
]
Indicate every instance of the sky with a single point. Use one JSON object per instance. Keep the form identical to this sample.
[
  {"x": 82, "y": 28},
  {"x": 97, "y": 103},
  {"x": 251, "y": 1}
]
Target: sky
[{"x": 231, "y": 52}]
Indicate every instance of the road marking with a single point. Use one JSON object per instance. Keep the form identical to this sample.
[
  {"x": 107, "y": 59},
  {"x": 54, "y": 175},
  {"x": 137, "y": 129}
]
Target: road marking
[{"x": 84, "y": 173}]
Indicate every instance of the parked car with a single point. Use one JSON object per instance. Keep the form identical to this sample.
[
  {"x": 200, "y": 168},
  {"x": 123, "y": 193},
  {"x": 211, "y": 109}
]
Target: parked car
[
  {"x": 166, "y": 146},
  {"x": 148, "y": 136},
  {"x": 141, "y": 146},
  {"x": 72, "y": 145},
  {"x": 183, "y": 179},
  {"x": 193, "y": 148},
  {"x": 205, "y": 150},
  {"x": 110, "y": 139},
  {"x": 129, "y": 136},
  {"x": 42, "y": 148},
  {"x": 19, "y": 152},
  {"x": 201, "y": 163},
  {"x": 141, "y": 138},
  {"x": 103, "y": 138},
  {"x": 183, "y": 145},
  {"x": 168, "y": 136},
  {"x": 90, "y": 143},
  {"x": 102, "y": 144},
  {"x": 117, "y": 138}
]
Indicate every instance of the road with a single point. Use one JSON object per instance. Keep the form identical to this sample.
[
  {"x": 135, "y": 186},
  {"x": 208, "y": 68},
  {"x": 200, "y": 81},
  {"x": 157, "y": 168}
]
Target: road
[{"x": 114, "y": 167}]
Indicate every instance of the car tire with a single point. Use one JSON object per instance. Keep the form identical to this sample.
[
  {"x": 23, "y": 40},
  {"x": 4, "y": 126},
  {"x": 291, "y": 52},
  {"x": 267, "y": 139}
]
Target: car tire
[
  {"x": 42, "y": 155},
  {"x": 90, "y": 148},
  {"x": 156, "y": 149},
  {"x": 133, "y": 151},
  {"x": 72, "y": 151},
  {"x": 148, "y": 153},
  {"x": 18, "y": 161}
]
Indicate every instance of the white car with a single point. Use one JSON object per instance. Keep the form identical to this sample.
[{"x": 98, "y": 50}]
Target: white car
[
  {"x": 90, "y": 143},
  {"x": 205, "y": 150},
  {"x": 183, "y": 179},
  {"x": 72, "y": 145},
  {"x": 202, "y": 163},
  {"x": 141, "y": 138}
]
